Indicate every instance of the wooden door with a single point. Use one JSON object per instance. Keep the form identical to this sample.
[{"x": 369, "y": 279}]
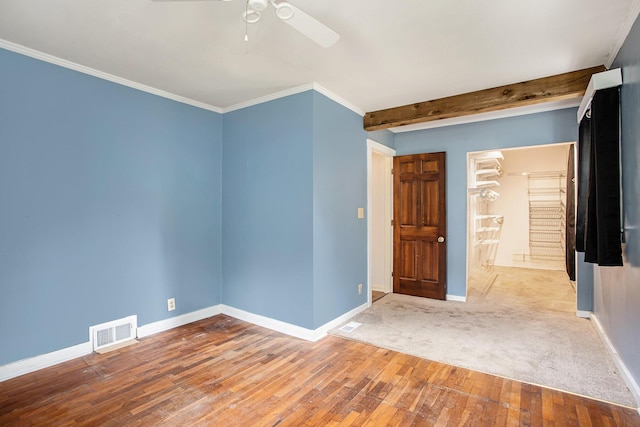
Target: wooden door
[{"x": 419, "y": 227}]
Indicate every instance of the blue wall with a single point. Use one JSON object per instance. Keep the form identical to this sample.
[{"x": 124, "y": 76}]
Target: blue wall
[
  {"x": 384, "y": 137},
  {"x": 294, "y": 175},
  {"x": 267, "y": 209},
  {"x": 617, "y": 289},
  {"x": 108, "y": 193},
  {"x": 113, "y": 200},
  {"x": 457, "y": 141},
  {"x": 339, "y": 189},
  {"x": 110, "y": 203}
]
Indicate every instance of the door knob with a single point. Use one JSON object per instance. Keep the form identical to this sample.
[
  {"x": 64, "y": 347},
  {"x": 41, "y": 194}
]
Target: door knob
[{"x": 441, "y": 239}]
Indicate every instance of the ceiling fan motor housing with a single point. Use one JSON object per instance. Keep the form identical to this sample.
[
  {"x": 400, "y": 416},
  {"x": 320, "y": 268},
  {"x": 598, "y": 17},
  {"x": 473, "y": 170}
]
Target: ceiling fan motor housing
[{"x": 258, "y": 5}]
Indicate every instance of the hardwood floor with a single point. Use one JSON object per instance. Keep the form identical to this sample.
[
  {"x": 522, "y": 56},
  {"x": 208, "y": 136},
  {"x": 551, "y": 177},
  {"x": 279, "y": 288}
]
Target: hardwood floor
[
  {"x": 376, "y": 295},
  {"x": 224, "y": 372}
]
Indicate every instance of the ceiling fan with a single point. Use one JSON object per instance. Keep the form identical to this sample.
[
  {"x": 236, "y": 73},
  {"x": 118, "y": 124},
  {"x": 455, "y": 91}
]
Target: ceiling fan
[{"x": 306, "y": 24}]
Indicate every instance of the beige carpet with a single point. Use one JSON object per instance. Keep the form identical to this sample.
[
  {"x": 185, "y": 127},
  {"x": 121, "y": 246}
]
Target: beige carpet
[{"x": 521, "y": 327}]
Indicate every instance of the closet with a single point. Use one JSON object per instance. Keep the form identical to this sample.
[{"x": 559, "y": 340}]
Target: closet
[
  {"x": 533, "y": 192},
  {"x": 485, "y": 223},
  {"x": 516, "y": 211},
  {"x": 547, "y": 218}
]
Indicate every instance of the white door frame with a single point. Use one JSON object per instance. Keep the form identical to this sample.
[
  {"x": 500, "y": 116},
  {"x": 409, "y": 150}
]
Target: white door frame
[
  {"x": 388, "y": 153},
  {"x": 470, "y": 213}
]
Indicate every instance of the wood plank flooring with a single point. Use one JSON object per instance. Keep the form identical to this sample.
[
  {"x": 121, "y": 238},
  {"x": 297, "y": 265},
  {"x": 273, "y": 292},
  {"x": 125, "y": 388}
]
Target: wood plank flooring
[
  {"x": 376, "y": 295},
  {"x": 224, "y": 372}
]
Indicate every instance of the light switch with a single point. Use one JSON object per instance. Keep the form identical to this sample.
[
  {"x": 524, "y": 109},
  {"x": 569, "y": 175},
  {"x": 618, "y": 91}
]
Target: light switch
[{"x": 360, "y": 213}]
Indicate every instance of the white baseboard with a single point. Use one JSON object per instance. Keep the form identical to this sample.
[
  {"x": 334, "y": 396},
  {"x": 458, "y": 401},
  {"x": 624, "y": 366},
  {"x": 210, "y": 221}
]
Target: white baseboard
[
  {"x": 622, "y": 368},
  {"x": 42, "y": 361},
  {"x": 32, "y": 364},
  {"x": 584, "y": 314},
  {"x": 324, "y": 329},
  {"x": 456, "y": 298},
  {"x": 174, "y": 322},
  {"x": 312, "y": 335},
  {"x": 36, "y": 363}
]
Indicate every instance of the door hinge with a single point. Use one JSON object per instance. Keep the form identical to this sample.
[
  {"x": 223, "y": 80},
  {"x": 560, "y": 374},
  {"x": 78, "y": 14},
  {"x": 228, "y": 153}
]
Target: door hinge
[{"x": 392, "y": 223}]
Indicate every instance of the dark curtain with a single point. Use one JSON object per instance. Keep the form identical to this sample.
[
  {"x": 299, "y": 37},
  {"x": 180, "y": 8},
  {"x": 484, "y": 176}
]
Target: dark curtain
[
  {"x": 584, "y": 152},
  {"x": 602, "y": 225},
  {"x": 571, "y": 216}
]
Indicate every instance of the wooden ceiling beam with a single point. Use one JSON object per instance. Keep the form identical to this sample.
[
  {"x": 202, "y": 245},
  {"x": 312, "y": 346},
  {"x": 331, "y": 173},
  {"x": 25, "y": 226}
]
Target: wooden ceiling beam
[{"x": 554, "y": 88}]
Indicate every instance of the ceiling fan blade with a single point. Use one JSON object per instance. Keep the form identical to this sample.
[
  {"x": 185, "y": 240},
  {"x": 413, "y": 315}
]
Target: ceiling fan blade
[{"x": 312, "y": 28}]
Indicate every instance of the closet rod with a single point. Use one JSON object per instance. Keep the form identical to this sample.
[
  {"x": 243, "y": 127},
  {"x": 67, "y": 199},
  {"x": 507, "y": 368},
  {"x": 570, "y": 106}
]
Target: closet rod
[{"x": 603, "y": 80}]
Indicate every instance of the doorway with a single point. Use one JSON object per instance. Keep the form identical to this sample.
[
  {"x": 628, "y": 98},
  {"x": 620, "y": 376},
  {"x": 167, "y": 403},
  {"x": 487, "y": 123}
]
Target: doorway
[
  {"x": 380, "y": 215},
  {"x": 517, "y": 211},
  {"x": 420, "y": 225}
]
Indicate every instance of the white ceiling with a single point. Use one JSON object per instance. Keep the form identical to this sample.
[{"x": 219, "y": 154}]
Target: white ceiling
[{"x": 391, "y": 52}]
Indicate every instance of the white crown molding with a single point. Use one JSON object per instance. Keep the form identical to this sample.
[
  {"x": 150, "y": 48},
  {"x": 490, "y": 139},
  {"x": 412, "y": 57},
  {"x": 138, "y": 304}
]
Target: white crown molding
[
  {"x": 267, "y": 98},
  {"x": 23, "y": 50},
  {"x": 632, "y": 15},
  {"x": 501, "y": 114},
  {"x": 332, "y": 96},
  {"x": 294, "y": 91}
]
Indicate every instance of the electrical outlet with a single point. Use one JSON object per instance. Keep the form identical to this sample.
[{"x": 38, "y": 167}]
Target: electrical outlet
[
  {"x": 171, "y": 304},
  {"x": 360, "y": 289}
]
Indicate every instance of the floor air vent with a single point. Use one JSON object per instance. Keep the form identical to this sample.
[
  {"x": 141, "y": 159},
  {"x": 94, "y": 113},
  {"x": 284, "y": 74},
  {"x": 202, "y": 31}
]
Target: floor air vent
[
  {"x": 112, "y": 333},
  {"x": 350, "y": 326}
]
